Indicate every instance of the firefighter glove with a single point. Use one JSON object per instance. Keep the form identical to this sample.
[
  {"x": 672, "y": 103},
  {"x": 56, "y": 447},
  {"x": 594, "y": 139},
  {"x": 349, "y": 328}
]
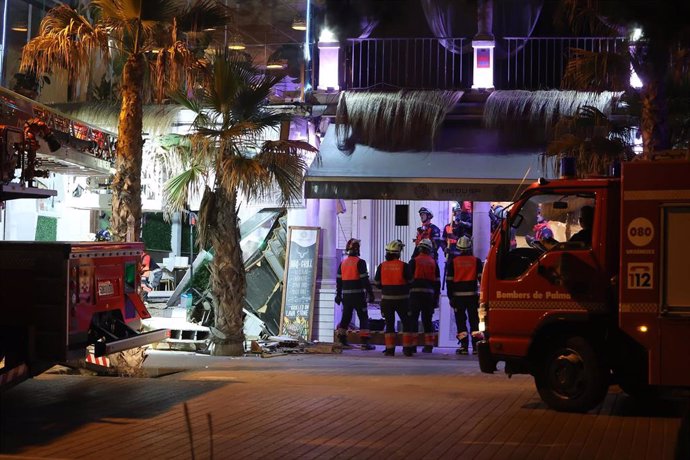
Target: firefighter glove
[{"x": 338, "y": 298}]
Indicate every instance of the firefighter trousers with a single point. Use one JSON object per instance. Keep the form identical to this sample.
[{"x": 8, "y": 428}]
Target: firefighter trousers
[
  {"x": 389, "y": 307},
  {"x": 422, "y": 303},
  {"x": 466, "y": 307},
  {"x": 354, "y": 303}
]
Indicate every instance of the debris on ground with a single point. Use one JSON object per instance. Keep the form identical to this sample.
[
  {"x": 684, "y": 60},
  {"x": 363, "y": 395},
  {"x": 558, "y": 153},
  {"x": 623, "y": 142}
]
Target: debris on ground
[{"x": 274, "y": 346}]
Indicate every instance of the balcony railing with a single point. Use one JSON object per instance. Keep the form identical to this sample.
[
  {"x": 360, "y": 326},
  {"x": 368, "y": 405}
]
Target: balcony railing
[
  {"x": 534, "y": 63},
  {"x": 422, "y": 63}
]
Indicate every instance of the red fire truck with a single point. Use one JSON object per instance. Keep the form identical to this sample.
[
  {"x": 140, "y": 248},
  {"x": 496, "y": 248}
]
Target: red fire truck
[
  {"x": 58, "y": 298},
  {"x": 607, "y": 299}
]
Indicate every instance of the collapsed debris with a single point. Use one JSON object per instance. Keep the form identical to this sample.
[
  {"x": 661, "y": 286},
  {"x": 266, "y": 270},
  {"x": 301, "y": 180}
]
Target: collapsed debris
[{"x": 274, "y": 346}]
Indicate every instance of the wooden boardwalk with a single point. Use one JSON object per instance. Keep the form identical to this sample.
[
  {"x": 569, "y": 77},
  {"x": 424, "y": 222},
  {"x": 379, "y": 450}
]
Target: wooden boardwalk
[{"x": 357, "y": 405}]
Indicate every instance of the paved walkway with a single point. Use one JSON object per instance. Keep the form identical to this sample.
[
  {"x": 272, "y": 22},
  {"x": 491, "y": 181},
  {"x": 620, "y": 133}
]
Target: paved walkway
[{"x": 355, "y": 405}]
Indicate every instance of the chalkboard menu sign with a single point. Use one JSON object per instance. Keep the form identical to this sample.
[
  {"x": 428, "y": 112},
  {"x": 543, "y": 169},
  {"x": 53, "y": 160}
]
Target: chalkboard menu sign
[{"x": 299, "y": 281}]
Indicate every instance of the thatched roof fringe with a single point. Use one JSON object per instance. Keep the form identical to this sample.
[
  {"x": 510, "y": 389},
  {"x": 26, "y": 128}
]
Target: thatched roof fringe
[
  {"x": 406, "y": 120},
  {"x": 157, "y": 119},
  {"x": 543, "y": 106}
]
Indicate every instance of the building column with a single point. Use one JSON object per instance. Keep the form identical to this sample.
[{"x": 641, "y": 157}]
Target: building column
[
  {"x": 176, "y": 234},
  {"x": 481, "y": 228},
  {"x": 324, "y": 306}
]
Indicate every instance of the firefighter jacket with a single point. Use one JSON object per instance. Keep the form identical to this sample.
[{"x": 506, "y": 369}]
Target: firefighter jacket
[
  {"x": 393, "y": 277},
  {"x": 430, "y": 232},
  {"x": 463, "y": 274},
  {"x": 426, "y": 275},
  {"x": 353, "y": 278}
]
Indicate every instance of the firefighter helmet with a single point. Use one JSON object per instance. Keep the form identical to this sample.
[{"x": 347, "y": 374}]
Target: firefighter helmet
[
  {"x": 457, "y": 207},
  {"x": 464, "y": 243},
  {"x": 103, "y": 235},
  {"x": 426, "y": 243},
  {"x": 425, "y": 210},
  {"x": 395, "y": 246},
  {"x": 352, "y": 247}
]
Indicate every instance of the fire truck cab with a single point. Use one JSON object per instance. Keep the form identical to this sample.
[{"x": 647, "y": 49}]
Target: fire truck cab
[
  {"x": 57, "y": 298},
  {"x": 603, "y": 300}
]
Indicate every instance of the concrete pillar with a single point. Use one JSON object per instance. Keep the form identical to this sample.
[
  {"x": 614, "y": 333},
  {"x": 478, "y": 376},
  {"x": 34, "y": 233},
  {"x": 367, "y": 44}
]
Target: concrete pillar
[
  {"x": 483, "y": 44},
  {"x": 323, "y": 211},
  {"x": 481, "y": 229},
  {"x": 176, "y": 234}
]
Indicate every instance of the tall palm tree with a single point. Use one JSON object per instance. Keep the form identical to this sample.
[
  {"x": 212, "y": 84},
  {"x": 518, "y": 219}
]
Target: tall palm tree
[
  {"x": 227, "y": 156},
  {"x": 148, "y": 36},
  {"x": 657, "y": 58}
]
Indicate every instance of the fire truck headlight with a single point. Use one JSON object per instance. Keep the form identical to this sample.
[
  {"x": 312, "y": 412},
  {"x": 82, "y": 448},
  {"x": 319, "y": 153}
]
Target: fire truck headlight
[{"x": 483, "y": 307}]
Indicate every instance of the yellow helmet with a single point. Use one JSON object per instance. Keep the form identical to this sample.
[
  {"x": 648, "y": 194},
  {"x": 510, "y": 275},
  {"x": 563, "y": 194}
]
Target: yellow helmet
[
  {"x": 395, "y": 246},
  {"x": 464, "y": 243}
]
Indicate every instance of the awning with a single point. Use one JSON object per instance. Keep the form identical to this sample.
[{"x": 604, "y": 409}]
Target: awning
[{"x": 374, "y": 174}]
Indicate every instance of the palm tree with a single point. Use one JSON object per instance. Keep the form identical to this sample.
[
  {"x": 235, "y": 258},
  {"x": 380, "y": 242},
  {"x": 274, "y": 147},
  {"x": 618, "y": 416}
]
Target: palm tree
[
  {"x": 591, "y": 139},
  {"x": 660, "y": 58},
  {"x": 228, "y": 156},
  {"x": 147, "y": 35}
]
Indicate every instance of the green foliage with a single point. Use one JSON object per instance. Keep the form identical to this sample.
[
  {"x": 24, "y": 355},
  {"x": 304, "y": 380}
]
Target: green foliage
[
  {"x": 156, "y": 232},
  {"x": 46, "y": 228}
]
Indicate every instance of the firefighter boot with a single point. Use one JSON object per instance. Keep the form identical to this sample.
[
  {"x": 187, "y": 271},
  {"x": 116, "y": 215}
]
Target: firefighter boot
[
  {"x": 390, "y": 344},
  {"x": 366, "y": 345},
  {"x": 428, "y": 343},
  {"x": 463, "y": 341},
  {"x": 407, "y": 344}
]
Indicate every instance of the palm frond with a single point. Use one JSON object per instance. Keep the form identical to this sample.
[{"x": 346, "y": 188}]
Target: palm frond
[
  {"x": 285, "y": 162},
  {"x": 208, "y": 215},
  {"x": 203, "y": 14},
  {"x": 596, "y": 71},
  {"x": 66, "y": 40},
  {"x": 245, "y": 174}
]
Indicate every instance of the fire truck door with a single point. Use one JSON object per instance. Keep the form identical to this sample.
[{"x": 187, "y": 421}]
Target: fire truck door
[{"x": 674, "y": 322}]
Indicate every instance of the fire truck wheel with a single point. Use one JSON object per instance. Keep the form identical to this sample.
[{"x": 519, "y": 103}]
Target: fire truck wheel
[{"x": 571, "y": 376}]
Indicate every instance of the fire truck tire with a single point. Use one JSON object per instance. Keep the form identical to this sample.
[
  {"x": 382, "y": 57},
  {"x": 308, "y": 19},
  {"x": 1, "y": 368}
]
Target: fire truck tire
[{"x": 571, "y": 376}]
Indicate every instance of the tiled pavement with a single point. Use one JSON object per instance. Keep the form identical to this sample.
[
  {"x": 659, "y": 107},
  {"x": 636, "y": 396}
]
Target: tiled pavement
[{"x": 355, "y": 405}]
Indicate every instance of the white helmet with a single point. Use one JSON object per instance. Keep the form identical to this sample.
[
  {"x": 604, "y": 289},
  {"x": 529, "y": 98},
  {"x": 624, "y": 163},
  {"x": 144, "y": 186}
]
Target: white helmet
[
  {"x": 464, "y": 243},
  {"x": 426, "y": 243}
]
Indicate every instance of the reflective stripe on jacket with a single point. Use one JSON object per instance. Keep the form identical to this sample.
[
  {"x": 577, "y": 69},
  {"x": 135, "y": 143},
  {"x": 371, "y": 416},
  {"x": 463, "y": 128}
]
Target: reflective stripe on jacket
[{"x": 352, "y": 277}]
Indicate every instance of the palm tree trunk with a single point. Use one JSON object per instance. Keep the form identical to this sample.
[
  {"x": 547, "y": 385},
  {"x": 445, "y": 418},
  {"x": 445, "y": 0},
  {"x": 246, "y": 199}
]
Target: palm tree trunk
[
  {"x": 654, "y": 116},
  {"x": 228, "y": 275},
  {"x": 126, "y": 218}
]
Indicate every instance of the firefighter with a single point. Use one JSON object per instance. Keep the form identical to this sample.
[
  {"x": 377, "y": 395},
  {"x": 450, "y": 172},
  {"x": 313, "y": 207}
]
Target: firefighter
[
  {"x": 393, "y": 277},
  {"x": 464, "y": 272},
  {"x": 461, "y": 225},
  {"x": 428, "y": 231},
  {"x": 586, "y": 222},
  {"x": 424, "y": 294},
  {"x": 354, "y": 290},
  {"x": 542, "y": 229}
]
